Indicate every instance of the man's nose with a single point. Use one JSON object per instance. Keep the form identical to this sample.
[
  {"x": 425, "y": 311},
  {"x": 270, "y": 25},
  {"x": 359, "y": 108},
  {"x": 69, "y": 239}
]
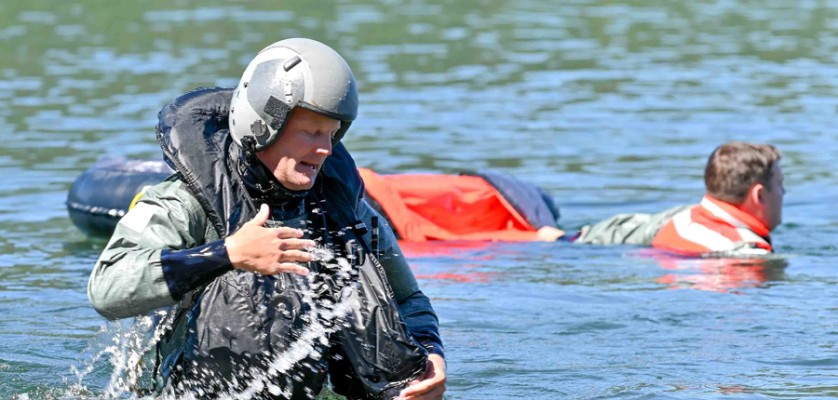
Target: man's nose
[{"x": 324, "y": 146}]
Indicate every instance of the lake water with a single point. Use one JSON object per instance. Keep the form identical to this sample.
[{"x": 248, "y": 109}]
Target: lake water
[{"x": 609, "y": 106}]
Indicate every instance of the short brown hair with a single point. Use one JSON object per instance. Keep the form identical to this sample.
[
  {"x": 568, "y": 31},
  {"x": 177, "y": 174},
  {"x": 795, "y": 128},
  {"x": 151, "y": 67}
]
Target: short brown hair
[{"x": 735, "y": 167}]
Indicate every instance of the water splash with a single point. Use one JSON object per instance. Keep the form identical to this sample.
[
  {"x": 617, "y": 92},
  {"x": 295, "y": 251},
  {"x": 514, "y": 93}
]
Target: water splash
[
  {"x": 126, "y": 347},
  {"x": 325, "y": 317}
]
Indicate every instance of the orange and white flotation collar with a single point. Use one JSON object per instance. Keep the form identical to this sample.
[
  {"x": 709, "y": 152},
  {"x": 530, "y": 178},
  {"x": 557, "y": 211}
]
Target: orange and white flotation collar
[{"x": 713, "y": 226}]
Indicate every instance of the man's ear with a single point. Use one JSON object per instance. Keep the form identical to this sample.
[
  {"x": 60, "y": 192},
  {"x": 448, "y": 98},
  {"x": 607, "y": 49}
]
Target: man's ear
[{"x": 757, "y": 193}]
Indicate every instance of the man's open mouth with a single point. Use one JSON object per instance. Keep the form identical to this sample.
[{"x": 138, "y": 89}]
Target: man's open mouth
[{"x": 313, "y": 167}]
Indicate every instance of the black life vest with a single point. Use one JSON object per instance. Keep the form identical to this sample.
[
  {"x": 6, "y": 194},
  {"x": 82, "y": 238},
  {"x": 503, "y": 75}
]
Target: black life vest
[{"x": 239, "y": 323}]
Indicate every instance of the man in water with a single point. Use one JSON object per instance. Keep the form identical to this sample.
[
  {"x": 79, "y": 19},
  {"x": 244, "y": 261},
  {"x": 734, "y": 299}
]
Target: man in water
[
  {"x": 261, "y": 179},
  {"x": 743, "y": 203}
]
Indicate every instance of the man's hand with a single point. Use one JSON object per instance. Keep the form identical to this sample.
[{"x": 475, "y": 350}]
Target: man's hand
[
  {"x": 268, "y": 251},
  {"x": 549, "y": 234},
  {"x": 432, "y": 384}
]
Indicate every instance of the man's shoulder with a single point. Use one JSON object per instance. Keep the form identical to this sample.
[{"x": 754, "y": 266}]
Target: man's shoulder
[
  {"x": 171, "y": 185},
  {"x": 172, "y": 203},
  {"x": 172, "y": 190}
]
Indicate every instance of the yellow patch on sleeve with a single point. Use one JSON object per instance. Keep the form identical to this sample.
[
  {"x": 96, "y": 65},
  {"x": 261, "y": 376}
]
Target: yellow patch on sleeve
[{"x": 138, "y": 196}]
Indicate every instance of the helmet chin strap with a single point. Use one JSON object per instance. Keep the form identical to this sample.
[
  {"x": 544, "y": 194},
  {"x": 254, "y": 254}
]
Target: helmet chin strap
[
  {"x": 249, "y": 147},
  {"x": 262, "y": 184}
]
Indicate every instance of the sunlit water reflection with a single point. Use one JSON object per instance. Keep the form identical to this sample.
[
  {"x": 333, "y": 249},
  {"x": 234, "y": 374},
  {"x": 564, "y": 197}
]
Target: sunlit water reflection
[{"x": 609, "y": 106}]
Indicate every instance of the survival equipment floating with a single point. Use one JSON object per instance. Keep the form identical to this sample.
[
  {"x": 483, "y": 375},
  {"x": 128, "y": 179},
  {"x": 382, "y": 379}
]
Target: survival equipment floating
[{"x": 481, "y": 206}]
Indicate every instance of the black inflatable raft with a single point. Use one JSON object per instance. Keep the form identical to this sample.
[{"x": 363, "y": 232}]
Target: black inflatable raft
[{"x": 100, "y": 196}]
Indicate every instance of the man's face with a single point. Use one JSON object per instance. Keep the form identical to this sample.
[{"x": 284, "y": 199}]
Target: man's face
[
  {"x": 298, "y": 154},
  {"x": 772, "y": 200}
]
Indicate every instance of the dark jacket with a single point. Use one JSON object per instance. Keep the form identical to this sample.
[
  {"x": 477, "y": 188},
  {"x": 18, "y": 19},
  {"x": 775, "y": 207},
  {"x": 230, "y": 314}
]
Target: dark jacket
[{"x": 233, "y": 323}]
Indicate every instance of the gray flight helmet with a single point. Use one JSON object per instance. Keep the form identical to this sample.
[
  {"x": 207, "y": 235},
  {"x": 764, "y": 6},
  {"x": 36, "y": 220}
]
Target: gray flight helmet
[{"x": 287, "y": 74}]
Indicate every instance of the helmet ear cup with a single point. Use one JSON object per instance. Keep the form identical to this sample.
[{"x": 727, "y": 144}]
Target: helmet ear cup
[{"x": 279, "y": 113}]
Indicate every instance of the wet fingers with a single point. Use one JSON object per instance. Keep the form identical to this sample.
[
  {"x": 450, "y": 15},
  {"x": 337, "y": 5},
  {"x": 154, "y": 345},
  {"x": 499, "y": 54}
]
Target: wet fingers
[
  {"x": 287, "y": 233},
  {"x": 295, "y": 244},
  {"x": 299, "y": 256},
  {"x": 291, "y": 268}
]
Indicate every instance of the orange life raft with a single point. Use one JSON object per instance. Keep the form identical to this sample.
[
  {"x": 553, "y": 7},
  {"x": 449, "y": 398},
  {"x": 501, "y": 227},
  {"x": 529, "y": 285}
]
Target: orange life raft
[{"x": 479, "y": 206}]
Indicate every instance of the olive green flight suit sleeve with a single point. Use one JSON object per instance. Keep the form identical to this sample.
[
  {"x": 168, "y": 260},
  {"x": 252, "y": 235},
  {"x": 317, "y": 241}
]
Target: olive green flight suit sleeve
[
  {"x": 128, "y": 279},
  {"x": 637, "y": 229}
]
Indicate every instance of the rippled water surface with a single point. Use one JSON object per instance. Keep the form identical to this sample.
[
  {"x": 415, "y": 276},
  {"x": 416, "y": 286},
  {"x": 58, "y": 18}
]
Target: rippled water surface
[{"x": 609, "y": 106}]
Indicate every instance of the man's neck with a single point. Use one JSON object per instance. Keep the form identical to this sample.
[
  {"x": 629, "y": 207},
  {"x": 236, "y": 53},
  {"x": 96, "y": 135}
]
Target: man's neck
[
  {"x": 263, "y": 186},
  {"x": 743, "y": 212}
]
